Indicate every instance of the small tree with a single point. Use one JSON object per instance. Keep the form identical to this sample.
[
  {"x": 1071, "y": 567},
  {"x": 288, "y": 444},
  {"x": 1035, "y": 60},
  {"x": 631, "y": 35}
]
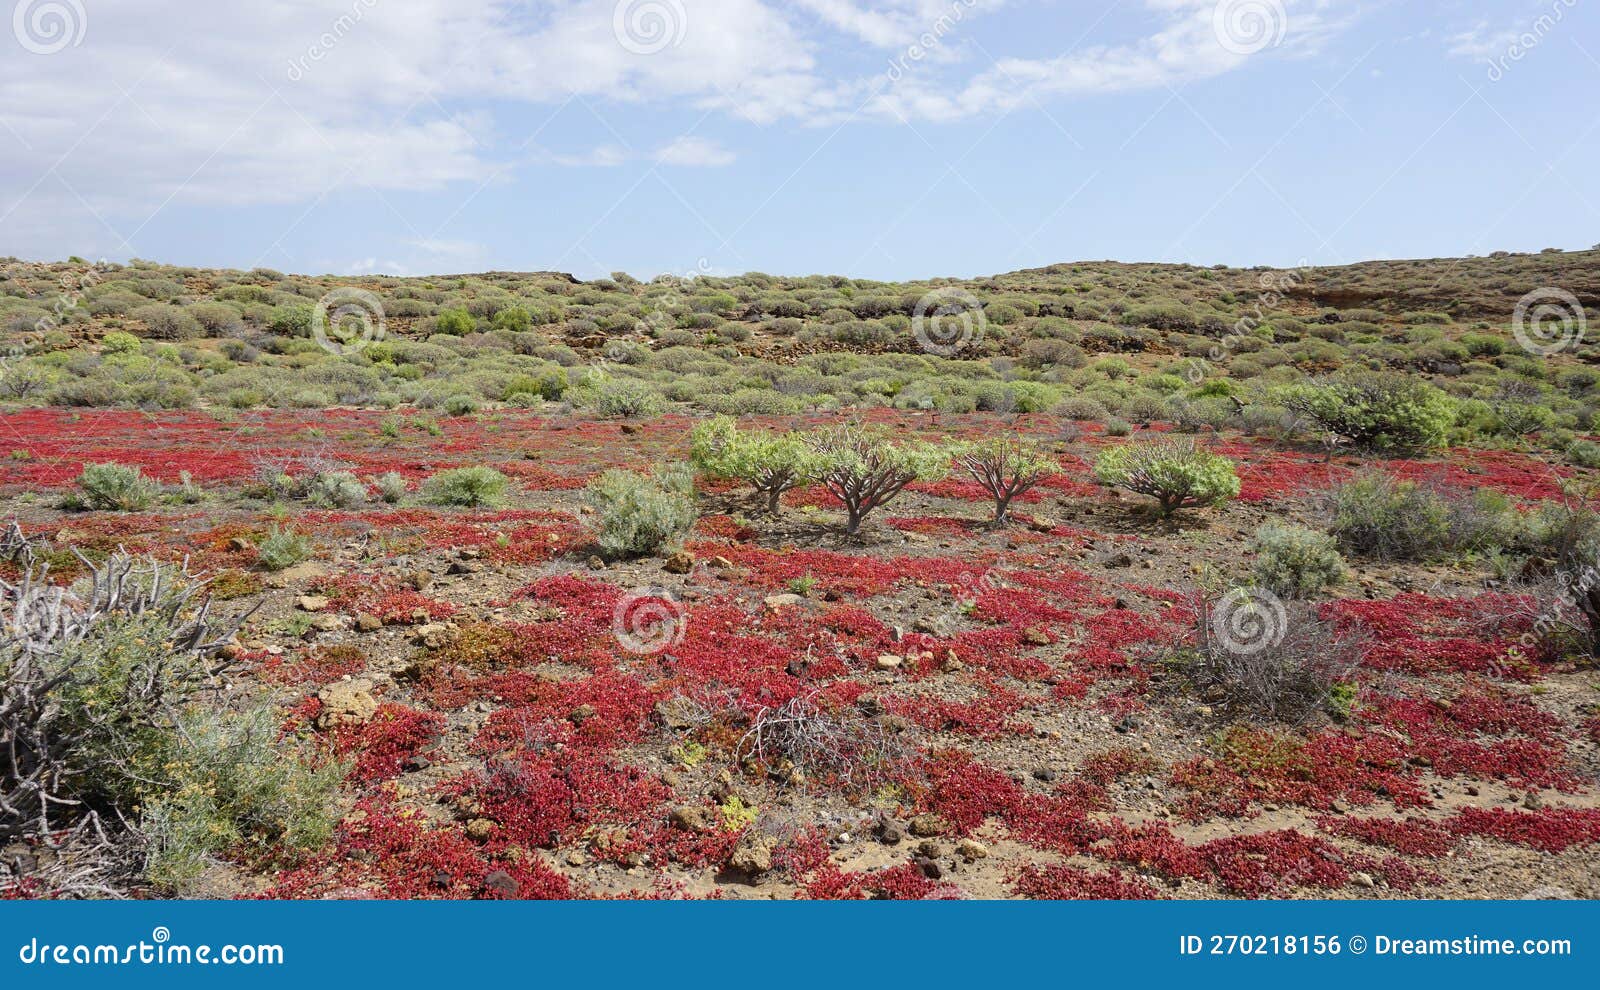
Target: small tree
[
  {"x": 1374, "y": 409},
  {"x": 865, "y": 469},
  {"x": 1174, "y": 472},
  {"x": 769, "y": 463},
  {"x": 1005, "y": 467}
]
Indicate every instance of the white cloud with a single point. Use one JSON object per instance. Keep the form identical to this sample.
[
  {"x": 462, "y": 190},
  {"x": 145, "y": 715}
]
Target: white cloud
[
  {"x": 185, "y": 102},
  {"x": 693, "y": 151}
]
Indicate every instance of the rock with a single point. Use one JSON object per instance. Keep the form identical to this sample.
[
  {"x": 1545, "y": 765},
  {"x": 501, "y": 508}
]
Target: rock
[
  {"x": 752, "y": 856},
  {"x": 1533, "y": 802},
  {"x": 694, "y": 818},
  {"x": 677, "y": 713},
  {"x": 576, "y": 858},
  {"x": 951, "y": 663},
  {"x": 479, "y": 829},
  {"x": 774, "y": 602},
  {"x": 327, "y": 623},
  {"x": 1120, "y": 560},
  {"x": 1036, "y": 637},
  {"x": 367, "y": 622},
  {"x": 1045, "y": 774},
  {"x": 681, "y": 562},
  {"x": 1362, "y": 880},
  {"x": 581, "y": 714},
  {"x": 311, "y": 603},
  {"x": 432, "y": 635},
  {"x": 1040, "y": 524},
  {"x": 721, "y": 563},
  {"x": 420, "y": 580},
  {"x": 502, "y": 883},
  {"x": 927, "y": 825},
  {"x": 889, "y": 831},
  {"x": 596, "y": 564},
  {"x": 888, "y": 661},
  {"x": 972, "y": 850},
  {"x": 240, "y": 544},
  {"x": 463, "y": 567},
  {"x": 930, "y": 867},
  {"x": 930, "y": 849},
  {"x": 346, "y": 703}
]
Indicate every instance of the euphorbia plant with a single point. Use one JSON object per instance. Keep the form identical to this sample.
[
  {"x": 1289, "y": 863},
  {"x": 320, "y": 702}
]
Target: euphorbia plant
[
  {"x": 1174, "y": 472},
  {"x": 864, "y": 469},
  {"x": 1005, "y": 467},
  {"x": 770, "y": 463}
]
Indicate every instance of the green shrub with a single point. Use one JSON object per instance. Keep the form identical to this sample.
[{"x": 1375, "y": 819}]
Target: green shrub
[
  {"x": 116, "y": 487},
  {"x": 621, "y": 397},
  {"x": 118, "y": 342},
  {"x": 474, "y": 487},
  {"x": 216, "y": 318},
  {"x": 771, "y": 464},
  {"x": 456, "y": 322},
  {"x": 336, "y": 490},
  {"x": 1175, "y": 472},
  {"x": 1374, "y": 409},
  {"x": 640, "y": 514},
  {"x": 1295, "y": 562},
  {"x": 166, "y": 322},
  {"x": 119, "y": 716},
  {"x": 461, "y": 405},
  {"x": 391, "y": 487},
  {"x": 281, "y": 548},
  {"x": 1377, "y": 515}
]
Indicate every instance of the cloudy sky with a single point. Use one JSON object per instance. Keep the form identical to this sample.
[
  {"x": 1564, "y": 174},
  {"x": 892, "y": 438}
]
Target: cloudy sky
[{"x": 891, "y": 139}]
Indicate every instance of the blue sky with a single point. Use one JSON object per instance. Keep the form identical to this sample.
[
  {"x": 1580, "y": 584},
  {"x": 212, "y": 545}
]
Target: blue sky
[{"x": 899, "y": 139}]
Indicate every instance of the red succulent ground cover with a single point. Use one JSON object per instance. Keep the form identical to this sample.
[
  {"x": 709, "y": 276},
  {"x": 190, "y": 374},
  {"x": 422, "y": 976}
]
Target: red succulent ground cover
[{"x": 524, "y": 751}]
